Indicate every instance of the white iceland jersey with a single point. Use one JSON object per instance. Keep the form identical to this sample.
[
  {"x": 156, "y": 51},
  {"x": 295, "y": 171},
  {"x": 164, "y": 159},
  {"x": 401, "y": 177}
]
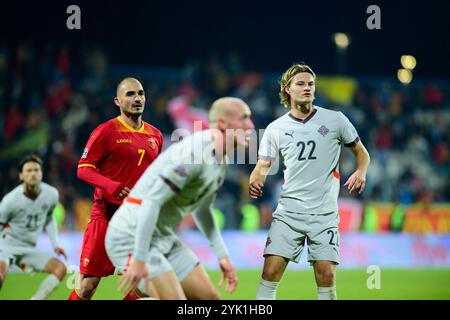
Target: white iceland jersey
[
  {"x": 309, "y": 151},
  {"x": 190, "y": 169},
  {"x": 23, "y": 219}
]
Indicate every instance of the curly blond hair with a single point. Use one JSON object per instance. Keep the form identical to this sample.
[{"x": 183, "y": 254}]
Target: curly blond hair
[{"x": 286, "y": 79}]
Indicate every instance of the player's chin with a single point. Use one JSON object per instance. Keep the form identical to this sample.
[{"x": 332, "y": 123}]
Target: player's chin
[
  {"x": 137, "y": 112},
  {"x": 304, "y": 100},
  {"x": 33, "y": 182}
]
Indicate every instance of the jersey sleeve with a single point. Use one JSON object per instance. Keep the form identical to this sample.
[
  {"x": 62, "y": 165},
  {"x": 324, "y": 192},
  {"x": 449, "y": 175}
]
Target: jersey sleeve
[
  {"x": 5, "y": 211},
  {"x": 55, "y": 200},
  {"x": 95, "y": 149},
  {"x": 347, "y": 132},
  {"x": 269, "y": 145},
  {"x": 161, "y": 142},
  {"x": 178, "y": 173},
  {"x": 204, "y": 219}
]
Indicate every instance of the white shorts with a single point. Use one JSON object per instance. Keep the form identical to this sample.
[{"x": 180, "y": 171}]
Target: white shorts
[
  {"x": 24, "y": 257},
  {"x": 164, "y": 256},
  {"x": 320, "y": 231}
]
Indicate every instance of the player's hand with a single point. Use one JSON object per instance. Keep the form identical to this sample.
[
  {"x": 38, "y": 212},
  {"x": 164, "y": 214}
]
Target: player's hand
[
  {"x": 123, "y": 193},
  {"x": 60, "y": 251},
  {"x": 131, "y": 277},
  {"x": 357, "y": 181},
  {"x": 255, "y": 189},
  {"x": 228, "y": 273}
]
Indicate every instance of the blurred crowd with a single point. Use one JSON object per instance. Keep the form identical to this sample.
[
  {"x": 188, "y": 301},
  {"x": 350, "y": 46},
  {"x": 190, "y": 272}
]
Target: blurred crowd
[{"x": 52, "y": 97}]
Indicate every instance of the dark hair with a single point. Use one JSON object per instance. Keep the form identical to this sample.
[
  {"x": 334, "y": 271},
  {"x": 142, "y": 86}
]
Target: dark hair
[{"x": 30, "y": 158}]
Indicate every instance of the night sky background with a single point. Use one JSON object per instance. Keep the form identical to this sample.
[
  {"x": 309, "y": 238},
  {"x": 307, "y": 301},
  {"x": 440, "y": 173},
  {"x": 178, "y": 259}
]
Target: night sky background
[{"x": 268, "y": 35}]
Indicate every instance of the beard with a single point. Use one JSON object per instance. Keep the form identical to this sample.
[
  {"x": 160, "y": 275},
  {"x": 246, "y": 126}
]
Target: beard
[{"x": 133, "y": 113}]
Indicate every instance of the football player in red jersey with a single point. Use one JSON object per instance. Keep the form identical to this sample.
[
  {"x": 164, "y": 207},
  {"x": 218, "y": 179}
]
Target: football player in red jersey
[{"x": 116, "y": 154}]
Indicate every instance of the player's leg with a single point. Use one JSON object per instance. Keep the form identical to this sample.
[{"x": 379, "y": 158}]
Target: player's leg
[
  {"x": 323, "y": 253},
  {"x": 195, "y": 282},
  {"x": 5, "y": 259},
  {"x": 3, "y": 272},
  {"x": 43, "y": 261},
  {"x": 325, "y": 273},
  {"x": 94, "y": 262},
  {"x": 273, "y": 270},
  {"x": 144, "y": 289},
  {"x": 167, "y": 286},
  {"x": 283, "y": 244},
  {"x": 197, "y": 285},
  {"x": 86, "y": 287},
  {"x": 118, "y": 247},
  {"x": 162, "y": 275}
]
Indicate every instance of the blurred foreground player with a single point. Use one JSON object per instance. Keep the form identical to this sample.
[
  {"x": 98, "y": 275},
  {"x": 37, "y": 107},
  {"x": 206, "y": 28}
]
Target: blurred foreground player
[
  {"x": 24, "y": 213},
  {"x": 141, "y": 239},
  {"x": 116, "y": 154}
]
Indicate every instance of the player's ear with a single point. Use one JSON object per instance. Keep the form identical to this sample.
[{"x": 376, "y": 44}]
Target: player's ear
[
  {"x": 117, "y": 101},
  {"x": 20, "y": 176},
  {"x": 221, "y": 124},
  {"x": 287, "y": 89}
]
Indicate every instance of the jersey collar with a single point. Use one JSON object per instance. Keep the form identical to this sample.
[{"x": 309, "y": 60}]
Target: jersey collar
[
  {"x": 304, "y": 120},
  {"x": 126, "y": 125}
]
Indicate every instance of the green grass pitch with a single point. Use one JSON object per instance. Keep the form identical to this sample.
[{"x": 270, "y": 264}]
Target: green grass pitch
[{"x": 296, "y": 285}]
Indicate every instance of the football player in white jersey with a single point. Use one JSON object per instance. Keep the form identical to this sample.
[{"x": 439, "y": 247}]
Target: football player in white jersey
[
  {"x": 308, "y": 141},
  {"x": 24, "y": 213},
  {"x": 141, "y": 240}
]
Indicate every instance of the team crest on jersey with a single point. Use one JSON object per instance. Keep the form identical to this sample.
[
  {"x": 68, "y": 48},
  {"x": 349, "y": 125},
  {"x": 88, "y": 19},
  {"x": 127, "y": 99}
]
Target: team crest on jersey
[
  {"x": 152, "y": 142},
  {"x": 85, "y": 152},
  {"x": 323, "y": 130},
  {"x": 181, "y": 171},
  {"x": 85, "y": 262}
]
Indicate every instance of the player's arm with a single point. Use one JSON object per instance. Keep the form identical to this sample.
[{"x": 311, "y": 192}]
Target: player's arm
[
  {"x": 258, "y": 177},
  {"x": 268, "y": 150},
  {"x": 52, "y": 232},
  {"x": 90, "y": 175},
  {"x": 94, "y": 153},
  {"x": 4, "y": 213},
  {"x": 357, "y": 180},
  {"x": 204, "y": 219}
]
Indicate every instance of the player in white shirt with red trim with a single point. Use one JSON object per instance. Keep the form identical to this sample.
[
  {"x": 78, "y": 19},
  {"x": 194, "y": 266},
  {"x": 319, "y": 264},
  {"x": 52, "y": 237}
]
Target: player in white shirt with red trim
[{"x": 141, "y": 239}]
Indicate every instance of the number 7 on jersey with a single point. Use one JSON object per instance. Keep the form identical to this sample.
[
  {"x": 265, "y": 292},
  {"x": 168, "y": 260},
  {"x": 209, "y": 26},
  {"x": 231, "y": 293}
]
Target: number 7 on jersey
[{"x": 142, "y": 153}]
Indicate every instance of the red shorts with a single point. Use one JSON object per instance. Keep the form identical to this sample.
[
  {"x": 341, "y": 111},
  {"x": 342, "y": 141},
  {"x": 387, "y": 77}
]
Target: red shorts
[{"x": 94, "y": 261}]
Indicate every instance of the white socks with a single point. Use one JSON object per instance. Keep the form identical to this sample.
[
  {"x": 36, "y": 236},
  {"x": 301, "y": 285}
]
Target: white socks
[
  {"x": 47, "y": 286},
  {"x": 267, "y": 290},
  {"x": 326, "y": 293}
]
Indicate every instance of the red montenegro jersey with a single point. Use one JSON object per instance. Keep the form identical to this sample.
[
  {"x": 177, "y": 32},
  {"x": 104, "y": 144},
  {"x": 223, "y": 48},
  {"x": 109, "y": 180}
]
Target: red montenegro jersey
[{"x": 120, "y": 153}]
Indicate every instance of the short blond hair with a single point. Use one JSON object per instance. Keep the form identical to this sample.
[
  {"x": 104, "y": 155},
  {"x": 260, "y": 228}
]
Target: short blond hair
[
  {"x": 220, "y": 108},
  {"x": 286, "y": 79}
]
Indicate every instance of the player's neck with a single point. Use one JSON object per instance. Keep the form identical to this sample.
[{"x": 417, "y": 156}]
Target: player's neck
[
  {"x": 220, "y": 144},
  {"x": 31, "y": 191},
  {"x": 133, "y": 121},
  {"x": 302, "y": 111}
]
